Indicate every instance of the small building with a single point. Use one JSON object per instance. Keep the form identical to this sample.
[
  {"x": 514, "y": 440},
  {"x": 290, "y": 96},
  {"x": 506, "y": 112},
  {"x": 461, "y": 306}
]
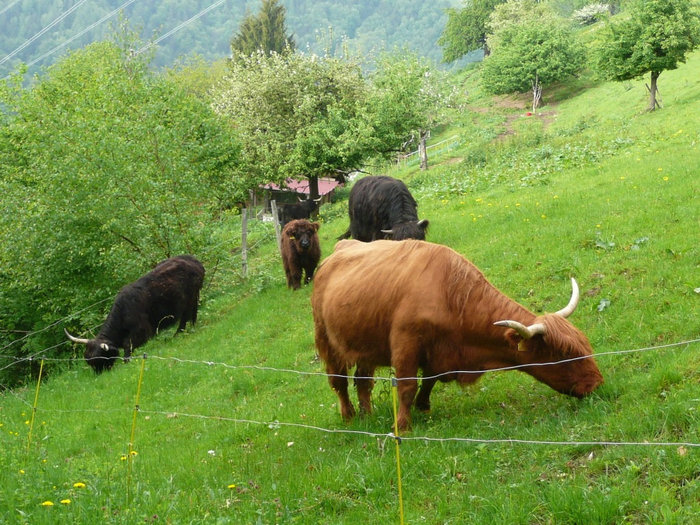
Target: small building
[{"x": 293, "y": 191}]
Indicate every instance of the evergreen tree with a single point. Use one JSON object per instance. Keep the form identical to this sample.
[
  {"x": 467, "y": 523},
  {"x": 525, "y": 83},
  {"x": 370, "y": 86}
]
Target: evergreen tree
[{"x": 265, "y": 31}]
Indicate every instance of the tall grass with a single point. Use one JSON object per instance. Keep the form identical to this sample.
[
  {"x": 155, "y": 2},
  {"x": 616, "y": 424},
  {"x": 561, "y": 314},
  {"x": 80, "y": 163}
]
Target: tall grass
[{"x": 603, "y": 192}]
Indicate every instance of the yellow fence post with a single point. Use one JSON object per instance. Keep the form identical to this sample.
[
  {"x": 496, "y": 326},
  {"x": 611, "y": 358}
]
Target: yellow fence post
[
  {"x": 397, "y": 440},
  {"x": 129, "y": 457},
  {"x": 36, "y": 400}
]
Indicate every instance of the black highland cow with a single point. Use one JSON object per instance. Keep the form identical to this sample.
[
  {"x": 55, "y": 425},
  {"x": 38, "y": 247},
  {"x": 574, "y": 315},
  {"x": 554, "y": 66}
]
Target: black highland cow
[
  {"x": 167, "y": 294},
  {"x": 381, "y": 207},
  {"x": 301, "y": 210}
]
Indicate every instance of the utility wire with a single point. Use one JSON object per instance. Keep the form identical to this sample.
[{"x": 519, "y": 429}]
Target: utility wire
[
  {"x": 8, "y": 6},
  {"x": 183, "y": 24},
  {"x": 60, "y": 18},
  {"x": 74, "y": 37}
]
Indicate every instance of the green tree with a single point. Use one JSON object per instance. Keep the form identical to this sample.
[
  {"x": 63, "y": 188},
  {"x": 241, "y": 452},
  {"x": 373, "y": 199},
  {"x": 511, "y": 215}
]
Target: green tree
[
  {"x": 297, "y": 115},
  {"x": 409, "y": 97},
  {"x": 265, "y": 31},
  {"x": 531, "y": 48},
  {"x": 465, "y": 30},
  {"x": 650, "y": 37},
  {"x": 105, "y": 169}
]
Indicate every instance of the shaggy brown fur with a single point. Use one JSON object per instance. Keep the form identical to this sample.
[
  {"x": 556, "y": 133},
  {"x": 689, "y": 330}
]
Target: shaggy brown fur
[
  {"x": 414, "y": 305},
  {"x": 301, "y": 251}
]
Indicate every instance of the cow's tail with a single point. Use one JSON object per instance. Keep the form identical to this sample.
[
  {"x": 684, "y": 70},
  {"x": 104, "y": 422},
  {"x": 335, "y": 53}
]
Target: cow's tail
[{"x": 346, "y": 235}]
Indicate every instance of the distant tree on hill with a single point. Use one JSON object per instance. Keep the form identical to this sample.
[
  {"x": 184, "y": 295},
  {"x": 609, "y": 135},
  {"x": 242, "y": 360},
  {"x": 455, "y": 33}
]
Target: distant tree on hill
[
  {"x": 409, "y": 97},
  {"x": 265, "y": 31},
  {"x": 531, "y": 47},
  {"x": 465, "y": 30},
  {"x": 651, "y": 37}
]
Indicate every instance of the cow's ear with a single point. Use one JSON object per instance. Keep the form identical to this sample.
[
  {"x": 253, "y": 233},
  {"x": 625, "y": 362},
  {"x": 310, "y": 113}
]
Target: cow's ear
[{"x": 315, "y": 226}]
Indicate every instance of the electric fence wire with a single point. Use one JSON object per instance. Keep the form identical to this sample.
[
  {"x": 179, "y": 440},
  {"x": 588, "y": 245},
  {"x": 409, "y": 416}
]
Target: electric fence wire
[
  {"x": 376, "y": 378},
  {"x": 508, "y": 441},
  {"x": 428, "y": 439}
]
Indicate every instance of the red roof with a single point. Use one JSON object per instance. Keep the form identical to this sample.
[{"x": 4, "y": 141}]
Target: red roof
[{"x": 302, "y": 186}]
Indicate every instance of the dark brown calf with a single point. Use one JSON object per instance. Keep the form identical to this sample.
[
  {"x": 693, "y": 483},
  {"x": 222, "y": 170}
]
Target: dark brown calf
[{"x": 300, "y": 251}]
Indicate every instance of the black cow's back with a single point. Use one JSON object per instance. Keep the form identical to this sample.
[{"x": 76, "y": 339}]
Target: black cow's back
[{"x": 378, "y": 204}]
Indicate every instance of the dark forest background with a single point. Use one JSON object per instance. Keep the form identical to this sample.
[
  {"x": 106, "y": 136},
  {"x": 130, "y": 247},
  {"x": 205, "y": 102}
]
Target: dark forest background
[{"x": 362, "y": 26}]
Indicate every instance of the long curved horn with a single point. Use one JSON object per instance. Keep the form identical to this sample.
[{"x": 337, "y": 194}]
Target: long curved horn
[
  {"x": 526, "y": 332},
  {"x": 569, "y": 308},
  {"x": 76, "y": 339}
]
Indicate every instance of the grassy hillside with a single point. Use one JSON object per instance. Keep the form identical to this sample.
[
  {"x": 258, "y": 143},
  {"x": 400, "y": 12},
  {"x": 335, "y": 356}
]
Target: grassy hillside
[{"x": 236, "y": 423}]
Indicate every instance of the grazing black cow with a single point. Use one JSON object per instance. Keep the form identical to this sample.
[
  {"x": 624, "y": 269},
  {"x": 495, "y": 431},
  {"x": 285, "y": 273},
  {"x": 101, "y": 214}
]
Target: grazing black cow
[
  {"x": 381, "y": 207},
  {"x": 167, "y": 294},
  {"x": 300, "y": 210}
]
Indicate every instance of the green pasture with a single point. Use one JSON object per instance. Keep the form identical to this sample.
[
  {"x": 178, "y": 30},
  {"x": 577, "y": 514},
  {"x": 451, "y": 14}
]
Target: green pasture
[{"x": 237, "y": 424}]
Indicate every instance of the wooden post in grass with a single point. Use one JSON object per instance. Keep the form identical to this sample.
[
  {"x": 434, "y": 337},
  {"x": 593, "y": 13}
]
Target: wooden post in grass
[
  {"x": 244, "y": 242},
  {"x": 276, "y": 222}
]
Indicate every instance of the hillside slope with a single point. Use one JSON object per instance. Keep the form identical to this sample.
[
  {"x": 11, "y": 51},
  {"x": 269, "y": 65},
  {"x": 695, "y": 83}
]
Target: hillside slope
[{"x": 234, "y": 422}]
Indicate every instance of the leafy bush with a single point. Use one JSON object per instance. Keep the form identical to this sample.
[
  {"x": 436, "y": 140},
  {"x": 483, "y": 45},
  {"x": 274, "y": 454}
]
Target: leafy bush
[{"x": 105, "y": 170}]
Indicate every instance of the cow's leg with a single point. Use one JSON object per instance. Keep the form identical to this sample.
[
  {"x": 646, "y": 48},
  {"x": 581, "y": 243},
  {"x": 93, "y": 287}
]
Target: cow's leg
[
  {"x": 423, "y": 398},
  {"x": 309, "y": 273},
  {"x": 338, "y": 379},
  {"x": 294, "y": 278},
  {"x": 193, "y": 310},
  {"x": 405, "y": 362},
  {"x": 183, "y": 321},
  {"x": 364, "y": 384},
  {"x": 337, "y": 373},
  {"x": 128, "y": 347}
]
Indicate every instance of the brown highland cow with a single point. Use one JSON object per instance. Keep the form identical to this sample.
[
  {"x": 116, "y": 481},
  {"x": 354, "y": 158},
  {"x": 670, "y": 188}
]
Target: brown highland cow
[{"x": 300, "y": 251}]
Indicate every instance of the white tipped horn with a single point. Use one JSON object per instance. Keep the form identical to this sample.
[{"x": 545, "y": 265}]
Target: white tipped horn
[
  {"x": 526, "y": 332},
  {"x": 573, "y": 302},
  {"x": 76, "y": 339}
]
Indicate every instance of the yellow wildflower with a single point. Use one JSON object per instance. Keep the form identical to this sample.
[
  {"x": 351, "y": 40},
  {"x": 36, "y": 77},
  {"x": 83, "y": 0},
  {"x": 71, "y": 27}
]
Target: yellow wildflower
[
  {"x": 79, "y": 485},
  {"x": 47, "y": 504},
  {"x": 65, "y": 501}
]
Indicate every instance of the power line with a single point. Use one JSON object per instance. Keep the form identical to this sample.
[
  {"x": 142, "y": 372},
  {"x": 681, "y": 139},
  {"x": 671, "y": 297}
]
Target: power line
[
  {"x": 90, "y": 27},
  {"x": 8, "y": 6},
  {"x": 60, "y": 18},
  {"x": 180, "y": 26}
]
